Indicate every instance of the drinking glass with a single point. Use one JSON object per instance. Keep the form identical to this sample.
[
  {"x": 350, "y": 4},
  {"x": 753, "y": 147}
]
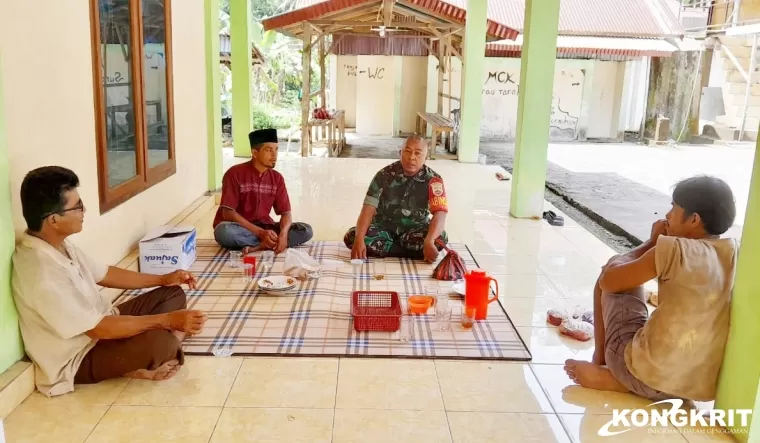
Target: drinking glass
[
  {"x": 468, "y": 317},
  {"x": 407, "y": 323},
  {"x": 235, "y": 259},
  {"x": 267, "y": 260},
  {"x": 441, "y": 297},
  {"x": 356, "y": 265},
  {"x": 247, "y": 272},
  {"x": 379, "y": 269},
  {"x": 407, "y": 327},
  {"x": 443, "y": 318}
]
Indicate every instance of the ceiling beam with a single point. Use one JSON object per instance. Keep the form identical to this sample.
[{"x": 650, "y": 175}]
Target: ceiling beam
[
  {"x": 388, "y": 12},
  {"x": 387, "y": 36},
  {"x": 391, "y": 25}
]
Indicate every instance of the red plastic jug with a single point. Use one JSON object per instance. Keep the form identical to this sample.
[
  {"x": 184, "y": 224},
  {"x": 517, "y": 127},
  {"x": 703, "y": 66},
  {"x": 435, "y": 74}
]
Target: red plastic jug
[{"x": 477, "y": 289}]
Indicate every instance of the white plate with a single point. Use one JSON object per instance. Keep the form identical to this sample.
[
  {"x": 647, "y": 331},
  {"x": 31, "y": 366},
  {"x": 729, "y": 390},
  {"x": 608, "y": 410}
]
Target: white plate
[
  {"x": 277, "y": 283},
  {"x": 458, "y": 287}
]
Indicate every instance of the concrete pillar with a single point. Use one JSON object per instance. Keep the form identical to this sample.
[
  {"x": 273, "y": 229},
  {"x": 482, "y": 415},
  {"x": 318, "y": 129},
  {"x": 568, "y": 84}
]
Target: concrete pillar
[
  {"x": 472, "y": 80},
  {"x": 11, "y": 349},
  {"x": 242, "y": 85},
  {"x": 213, "y": 96},
  {"x": 740, "y": 373},
  {"x": 539, "y": 53}
]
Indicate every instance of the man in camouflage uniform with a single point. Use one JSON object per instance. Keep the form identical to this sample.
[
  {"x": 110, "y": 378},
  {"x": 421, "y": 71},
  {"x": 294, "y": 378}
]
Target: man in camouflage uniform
[{"x": 395, "y": 220}]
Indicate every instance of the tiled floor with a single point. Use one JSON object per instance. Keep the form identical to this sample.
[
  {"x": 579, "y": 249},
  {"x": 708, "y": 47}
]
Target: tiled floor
[{"x": 215, "y": 399}]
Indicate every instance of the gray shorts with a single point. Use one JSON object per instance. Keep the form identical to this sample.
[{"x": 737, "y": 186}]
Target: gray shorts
[{"x": 623, "y": 315}]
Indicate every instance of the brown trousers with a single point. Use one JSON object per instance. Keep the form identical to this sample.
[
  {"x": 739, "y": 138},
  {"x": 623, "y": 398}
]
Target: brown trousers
[{"x": 148, "y": 350}]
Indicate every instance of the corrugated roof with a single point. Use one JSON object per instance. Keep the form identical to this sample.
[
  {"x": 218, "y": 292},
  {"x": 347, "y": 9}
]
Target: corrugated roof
[
  {"x": 225, "y": 48},
  {"x": 590, "y": 47},
  {"x": 619, "y": 18},
  {"x": 454, "y": 10}
]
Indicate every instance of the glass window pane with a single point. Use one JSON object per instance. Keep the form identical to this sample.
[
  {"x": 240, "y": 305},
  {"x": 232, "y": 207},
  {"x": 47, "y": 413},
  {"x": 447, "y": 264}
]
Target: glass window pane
[
  {"x": 154, "y": 71},
  {"x": 115, "y": 54}
]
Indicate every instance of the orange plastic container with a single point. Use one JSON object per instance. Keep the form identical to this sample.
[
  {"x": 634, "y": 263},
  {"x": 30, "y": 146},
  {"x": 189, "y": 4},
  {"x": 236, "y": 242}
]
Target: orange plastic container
[
  {"x": 477, "y": 289},
  {"x": 419, "y": 304}
]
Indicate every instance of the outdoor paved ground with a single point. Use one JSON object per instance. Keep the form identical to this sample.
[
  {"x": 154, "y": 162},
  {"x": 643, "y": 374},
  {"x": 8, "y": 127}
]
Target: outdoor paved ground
[
  {"x": 630, "y": 185},
  {"x": 622, "y": 185}
]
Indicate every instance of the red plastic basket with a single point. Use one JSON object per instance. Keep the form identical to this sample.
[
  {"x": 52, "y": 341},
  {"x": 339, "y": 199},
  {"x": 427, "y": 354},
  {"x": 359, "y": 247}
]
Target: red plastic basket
[{"x": 376, "y": 311}]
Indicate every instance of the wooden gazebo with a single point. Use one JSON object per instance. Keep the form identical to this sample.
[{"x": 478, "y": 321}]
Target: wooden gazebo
[{"x": 438, "y": 24}]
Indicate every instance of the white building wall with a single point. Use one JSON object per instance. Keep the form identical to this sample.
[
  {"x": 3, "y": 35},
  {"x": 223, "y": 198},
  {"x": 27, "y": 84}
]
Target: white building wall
[
  {"x": 50, "y": 119},
  {"x": 345, "y": 86},
  {"x": 375, "y": 94},
  {"x": 588, "y": 96},
  {"x": 414, "y": 85}
]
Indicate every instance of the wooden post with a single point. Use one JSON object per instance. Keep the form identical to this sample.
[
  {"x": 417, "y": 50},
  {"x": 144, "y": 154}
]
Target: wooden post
[
  {"x": 441, "y": 60},
  {"x": 450, "y": 70},
  {"x": 306, "y": 90},
  {"x": 322, "y": 76}
]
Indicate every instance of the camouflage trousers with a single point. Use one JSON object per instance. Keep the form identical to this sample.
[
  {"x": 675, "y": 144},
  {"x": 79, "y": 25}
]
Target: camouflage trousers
[{"x": 384, "y": 242}]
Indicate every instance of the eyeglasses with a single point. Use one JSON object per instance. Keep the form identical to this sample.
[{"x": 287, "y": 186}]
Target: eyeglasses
[{"x": 78, "y": 207}]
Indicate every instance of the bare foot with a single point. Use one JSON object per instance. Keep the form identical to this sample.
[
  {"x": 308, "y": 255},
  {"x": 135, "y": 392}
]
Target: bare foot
[
  {"x": 598, "y": 358},
  {"x": 592, "y": 376},
  {"x": 163, "y": 372},
  {"x": 251, "y": 249}
]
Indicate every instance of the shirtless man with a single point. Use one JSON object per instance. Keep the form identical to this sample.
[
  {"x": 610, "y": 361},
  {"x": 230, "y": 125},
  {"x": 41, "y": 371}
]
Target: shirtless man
[
  {"x": 72, "y": 333},
  {"x": 395, "y": 220},
  {"x": 678, "y": 351},
  {"x": 249, "y": 193}
]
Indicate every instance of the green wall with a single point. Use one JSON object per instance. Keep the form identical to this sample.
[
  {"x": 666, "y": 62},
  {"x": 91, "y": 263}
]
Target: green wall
[
  {"x": 739, "y": 375},
  {"x": 11, "y": 349}
]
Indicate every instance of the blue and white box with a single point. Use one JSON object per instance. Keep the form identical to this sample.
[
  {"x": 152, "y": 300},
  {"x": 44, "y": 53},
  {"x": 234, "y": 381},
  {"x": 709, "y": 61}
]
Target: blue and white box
[{"x": 166, "y": 249}]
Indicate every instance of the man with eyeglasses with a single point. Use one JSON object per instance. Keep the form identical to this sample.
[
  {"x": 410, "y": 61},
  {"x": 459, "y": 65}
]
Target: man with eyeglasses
[
  {"x": 72, "y": 332},
  {"x": 395, "y": 220}
]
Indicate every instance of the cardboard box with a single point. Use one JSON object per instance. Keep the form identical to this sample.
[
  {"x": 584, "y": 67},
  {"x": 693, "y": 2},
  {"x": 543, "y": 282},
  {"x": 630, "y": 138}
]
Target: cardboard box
[{"x": 166, "y": 249}]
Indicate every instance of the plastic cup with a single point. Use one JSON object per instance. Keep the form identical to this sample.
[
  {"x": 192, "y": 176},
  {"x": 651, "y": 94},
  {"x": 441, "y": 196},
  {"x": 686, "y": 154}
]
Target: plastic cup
[
  {"x": 247, "y": 272},
  {"x": 235, "y": 259},
  {"x": 468, "y": 317}
]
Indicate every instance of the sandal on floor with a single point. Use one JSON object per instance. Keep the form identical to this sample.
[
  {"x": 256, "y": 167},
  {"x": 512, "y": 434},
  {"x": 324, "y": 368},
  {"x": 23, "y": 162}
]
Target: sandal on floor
[
  {"x": 553, "y": 219},
  {"x": 579, "y": 330},
  {"x": 501, "y": 177}
]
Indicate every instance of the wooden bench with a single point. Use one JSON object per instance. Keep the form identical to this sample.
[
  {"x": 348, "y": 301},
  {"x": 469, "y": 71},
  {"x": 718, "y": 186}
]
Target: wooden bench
[
  {"x": 336, "y": 132},
  {"x": 439, "y": 125}
]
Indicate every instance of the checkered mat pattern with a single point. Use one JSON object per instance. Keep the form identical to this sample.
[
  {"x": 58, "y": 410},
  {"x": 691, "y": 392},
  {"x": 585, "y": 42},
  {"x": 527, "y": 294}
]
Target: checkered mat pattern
[{"x": 314, "y": 319}]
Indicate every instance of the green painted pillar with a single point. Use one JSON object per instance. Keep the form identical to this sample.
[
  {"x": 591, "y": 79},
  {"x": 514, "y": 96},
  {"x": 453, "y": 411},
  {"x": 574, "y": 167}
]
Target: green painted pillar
[
  {"x": 213, "y": 96},
  {"x": 539, "y": 52},
  {"x": 740, "y": 373},
  {"x": 11, "y": 348},
  {"x": 472, "y": 80},
  {"x": 242, "y": 85}
]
